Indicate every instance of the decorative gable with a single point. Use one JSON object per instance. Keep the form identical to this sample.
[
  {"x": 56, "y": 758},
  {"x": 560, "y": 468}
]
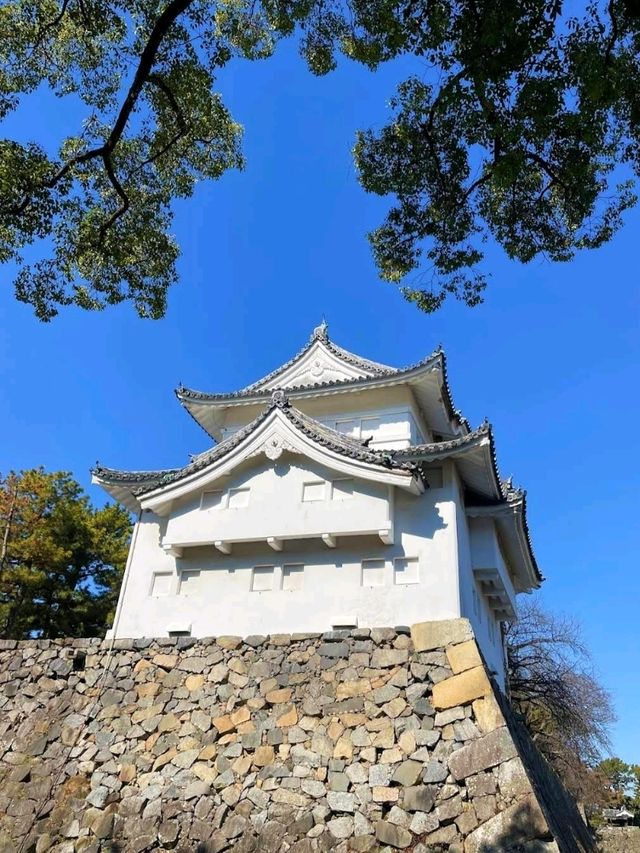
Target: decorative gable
[{"x": 318, "y": 363}]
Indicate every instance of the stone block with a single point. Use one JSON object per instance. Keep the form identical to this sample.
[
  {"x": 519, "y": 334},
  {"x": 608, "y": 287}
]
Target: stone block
[
  {"x": 443, "y": 718},
  {"x": 334, "y": 650},
  {"x": 488, "y": 714},
  {"x": 434, "y": 772},
  {"x": 481, "y": 754},
  {"x": 418, "y": 798},
  {"x": 385, "y": 658},
  {"x": 481, "y": 785},
  {"x": 341, "y": 827},
  {"x": 407, "y": 773},
  {"x": 263, "y": 756},
  {"x": 385, "y": 795},
  {"x": 277, "y": 697},
  {"x": 394, "y": 836},
  {"x": 422, "y": 823},
  {"x": 440, "y": 634},
  {"x": 339, "y": 801},
  {"x": 463, "y": 656},
  {"x": 461, "y": 689},
  {"x": 512, "y": 779},
  {"x": 518, "y": 824}
]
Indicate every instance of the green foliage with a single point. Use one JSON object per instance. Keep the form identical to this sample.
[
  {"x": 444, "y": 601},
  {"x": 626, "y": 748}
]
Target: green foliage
[
  {"x": 526, "y": 130},
  {"x": 622, "y": 781},
  {"x": 61, "y": 560},
  {"x": 532, "y": 113}
]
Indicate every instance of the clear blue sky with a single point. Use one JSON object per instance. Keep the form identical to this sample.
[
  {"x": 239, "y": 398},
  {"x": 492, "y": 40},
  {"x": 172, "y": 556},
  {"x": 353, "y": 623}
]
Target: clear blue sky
[{"x": 551, "y": 358}]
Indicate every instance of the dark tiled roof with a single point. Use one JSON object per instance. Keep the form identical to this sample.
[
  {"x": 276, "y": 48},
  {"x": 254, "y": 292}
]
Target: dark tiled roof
[
  {"x": 113, "y": 475},
  {"x": 440, "y": 448},
  {"x": 258, "y": 392},
  {"x": 520, "y": 496},
  {"x": 375, "y": 369},
  {"x": 146, "y": 481},
  {"x": 320, "y": 333}
]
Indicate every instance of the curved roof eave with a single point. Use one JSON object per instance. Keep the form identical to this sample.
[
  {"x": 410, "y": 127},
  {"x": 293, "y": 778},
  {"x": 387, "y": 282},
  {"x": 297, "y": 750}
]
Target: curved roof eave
[
  {"x": 477, "y": 443},
  {"x": 193, "y": 400},
  {"x": 129, "y": 486},
  {"x": 320, "y": 334},
  {"x": 123, "y": 485}
]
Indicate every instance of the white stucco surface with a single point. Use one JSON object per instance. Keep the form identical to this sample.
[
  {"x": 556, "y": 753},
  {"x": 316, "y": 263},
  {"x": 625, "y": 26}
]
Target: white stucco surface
[
  {"x": 334, "y": 588},
  {"x": 290, "y": 528}
]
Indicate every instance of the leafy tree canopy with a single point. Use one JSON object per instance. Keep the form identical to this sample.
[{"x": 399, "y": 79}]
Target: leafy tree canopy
[
  {"x": 516, "y": 134},
  {"x": 61, "y": 560}
]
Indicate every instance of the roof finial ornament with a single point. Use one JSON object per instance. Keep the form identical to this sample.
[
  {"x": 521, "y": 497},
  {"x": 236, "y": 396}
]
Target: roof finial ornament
[
  {"x": 279, "y": 398},
  {"x": 321, "y": 332}
]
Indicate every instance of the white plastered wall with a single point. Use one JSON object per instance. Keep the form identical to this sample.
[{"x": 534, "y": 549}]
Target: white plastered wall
[
  {"x": 220, "y": 600},
  {"x": 400, "y": 422},
  {"x": 473, "y": 604}
]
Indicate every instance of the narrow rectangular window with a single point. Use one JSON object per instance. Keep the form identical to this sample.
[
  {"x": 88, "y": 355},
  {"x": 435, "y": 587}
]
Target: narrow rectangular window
[
  {"x": 238, "y": 498},
  {"x": 313, "y": 491},
  {"x": 211, "y": 500},
  {"x": 292, "y": 577},
  {"x": 373, "y": 572},
  {"x": 406, "y": 570},
  {"x": 161, "y": 584},
  {"x": 189, "y": 582},
  {"x": 262, "y": 578},
  {"x": 342, "y": 490}
]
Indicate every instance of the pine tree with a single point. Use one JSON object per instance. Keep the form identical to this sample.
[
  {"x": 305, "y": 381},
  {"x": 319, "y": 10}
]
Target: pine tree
[{"x": 61, "y": 560}]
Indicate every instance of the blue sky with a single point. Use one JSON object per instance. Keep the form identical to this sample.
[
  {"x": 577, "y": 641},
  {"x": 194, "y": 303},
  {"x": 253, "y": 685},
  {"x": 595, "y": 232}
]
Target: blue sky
[{"x": 552, "y": 357}]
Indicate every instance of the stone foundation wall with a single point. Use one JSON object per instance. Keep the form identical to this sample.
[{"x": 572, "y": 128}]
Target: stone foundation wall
[
  {"x": 619, "y": 839},
  {"x": 369, "y": 740}
]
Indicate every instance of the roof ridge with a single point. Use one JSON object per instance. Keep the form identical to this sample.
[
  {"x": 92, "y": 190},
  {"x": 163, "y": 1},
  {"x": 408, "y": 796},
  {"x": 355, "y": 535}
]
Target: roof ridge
[
  {"x": 319, "y": 432},
  {"x": 183, "y": 391}
]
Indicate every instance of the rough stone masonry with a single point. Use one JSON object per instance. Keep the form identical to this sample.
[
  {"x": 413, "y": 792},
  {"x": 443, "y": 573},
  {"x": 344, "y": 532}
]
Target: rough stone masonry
[{"x": 365, "y": 740}]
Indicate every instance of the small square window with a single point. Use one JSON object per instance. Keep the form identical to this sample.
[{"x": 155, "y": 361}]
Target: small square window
[
  {"x": 342, "y": 490},
  {"x": 373, "y": 572},
  {"x": 211, "y": 500},
  {"x": 262, "y": 579},
  {"x": 189, "y": 582},
  {"x": 292, "y": 577},
  {"x": 406, "y": 570},
  {"x": 238, "y": 498},
  {"x": 313, "y": 491},
  {"x": 161, "y": 584}
]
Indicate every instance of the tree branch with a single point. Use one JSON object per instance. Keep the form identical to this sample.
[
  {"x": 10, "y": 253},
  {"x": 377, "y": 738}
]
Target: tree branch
[{"x": 147, "y": 59}]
